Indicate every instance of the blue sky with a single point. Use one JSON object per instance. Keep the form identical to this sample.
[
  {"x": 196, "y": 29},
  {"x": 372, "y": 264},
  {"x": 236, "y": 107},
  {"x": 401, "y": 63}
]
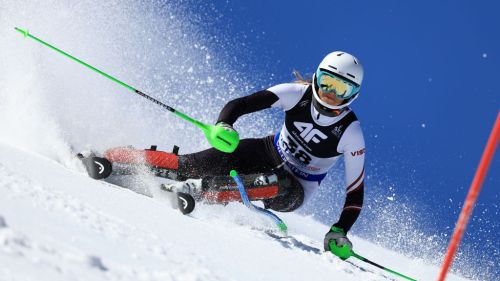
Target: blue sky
[{"x": 429, "y": 98}]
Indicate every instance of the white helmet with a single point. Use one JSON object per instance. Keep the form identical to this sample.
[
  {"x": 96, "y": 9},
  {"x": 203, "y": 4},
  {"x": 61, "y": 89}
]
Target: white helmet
[{"x": 339, "y": 65}]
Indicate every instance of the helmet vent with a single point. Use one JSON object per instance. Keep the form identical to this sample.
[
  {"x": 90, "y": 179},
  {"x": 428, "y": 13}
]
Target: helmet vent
[
  {"x": 351, "y": 75},
  {"x": 338, "y": 55},
  {"x": 355, "y": 61},
  {"x": 332, "y": 67}
]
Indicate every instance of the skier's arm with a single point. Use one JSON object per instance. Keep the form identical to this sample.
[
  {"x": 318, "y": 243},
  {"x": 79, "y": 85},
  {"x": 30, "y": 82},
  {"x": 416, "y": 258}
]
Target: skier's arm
[
  {"x": 353, "y": 148},
  {"x": 352, "y": 208},
  {"x": 244, "y": 105},
  {"x": 284, "y": 96}
]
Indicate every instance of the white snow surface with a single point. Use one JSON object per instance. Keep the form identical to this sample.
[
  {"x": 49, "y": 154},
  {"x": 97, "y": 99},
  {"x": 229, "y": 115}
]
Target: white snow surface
[{"x": 58, "y": 224}]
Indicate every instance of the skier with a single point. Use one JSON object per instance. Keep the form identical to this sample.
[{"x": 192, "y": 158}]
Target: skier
[{"x": 282, "y": 170}]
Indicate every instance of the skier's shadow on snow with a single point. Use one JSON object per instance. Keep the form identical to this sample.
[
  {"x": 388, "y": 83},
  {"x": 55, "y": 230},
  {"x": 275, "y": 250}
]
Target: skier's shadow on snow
[{"x": 291, "y": 242}]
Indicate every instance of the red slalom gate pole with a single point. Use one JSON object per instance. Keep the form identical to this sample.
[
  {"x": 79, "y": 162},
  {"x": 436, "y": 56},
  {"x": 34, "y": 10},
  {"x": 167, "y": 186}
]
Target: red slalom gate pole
[{"x": 470, "y": 201}]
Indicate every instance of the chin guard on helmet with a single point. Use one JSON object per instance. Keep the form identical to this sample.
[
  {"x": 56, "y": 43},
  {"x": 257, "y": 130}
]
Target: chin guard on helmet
[{"x": 323, "y": 110}]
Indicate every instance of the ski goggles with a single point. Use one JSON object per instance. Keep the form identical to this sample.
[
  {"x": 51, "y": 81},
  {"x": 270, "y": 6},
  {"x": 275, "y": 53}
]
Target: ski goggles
[{"x": 331, "y": 83}]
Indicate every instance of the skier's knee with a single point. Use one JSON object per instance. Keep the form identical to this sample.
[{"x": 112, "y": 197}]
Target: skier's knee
[{"x": 291, "y": 195}]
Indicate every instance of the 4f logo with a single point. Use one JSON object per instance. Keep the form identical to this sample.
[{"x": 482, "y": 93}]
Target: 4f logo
[{"x": 308, "y": 133}]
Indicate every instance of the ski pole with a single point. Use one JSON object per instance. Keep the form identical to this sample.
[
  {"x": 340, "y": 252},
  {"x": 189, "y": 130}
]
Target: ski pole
[
  {"x": 244, "y": 197},
  {"x": 381, "y": 267},
  {"x": 223, "y": 140}
]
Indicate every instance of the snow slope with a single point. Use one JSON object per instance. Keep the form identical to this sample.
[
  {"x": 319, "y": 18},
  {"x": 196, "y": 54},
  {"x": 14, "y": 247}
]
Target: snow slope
[{"x": 58, "y": 224}]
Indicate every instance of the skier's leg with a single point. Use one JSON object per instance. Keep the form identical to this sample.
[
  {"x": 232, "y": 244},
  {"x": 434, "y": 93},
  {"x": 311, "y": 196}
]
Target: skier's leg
[
  {"x": 251, "y": 156},
  {"x": 279, "y": 190},
  {"x": 291, "y": 195},
  {"x": 223, "y": 189}
]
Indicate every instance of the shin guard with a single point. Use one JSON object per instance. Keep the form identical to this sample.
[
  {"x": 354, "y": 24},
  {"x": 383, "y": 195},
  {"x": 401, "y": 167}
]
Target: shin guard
[{"x": 128, "y": 160}]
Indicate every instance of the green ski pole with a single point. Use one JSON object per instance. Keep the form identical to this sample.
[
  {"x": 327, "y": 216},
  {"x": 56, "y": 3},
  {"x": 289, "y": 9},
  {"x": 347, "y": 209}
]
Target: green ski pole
[
  {"x": 223, "y": 140},
  {"x": 381, "y": 267}
]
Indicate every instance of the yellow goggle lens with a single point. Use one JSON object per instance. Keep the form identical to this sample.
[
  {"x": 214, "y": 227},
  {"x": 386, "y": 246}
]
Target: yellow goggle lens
[{"x": 331, "y": 84}]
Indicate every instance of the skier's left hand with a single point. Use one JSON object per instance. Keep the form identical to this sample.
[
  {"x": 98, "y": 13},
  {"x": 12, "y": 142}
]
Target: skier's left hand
[
  {"x": 225, "y": 126},
  {"x": 337, "y": 242},
  {"x": 223, "y": 137}
]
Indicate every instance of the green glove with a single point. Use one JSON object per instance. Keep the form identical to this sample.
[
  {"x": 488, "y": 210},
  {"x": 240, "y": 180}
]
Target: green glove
[
  {"x": 223, "y": 137},
  {"x": 337, "y": 242}
]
